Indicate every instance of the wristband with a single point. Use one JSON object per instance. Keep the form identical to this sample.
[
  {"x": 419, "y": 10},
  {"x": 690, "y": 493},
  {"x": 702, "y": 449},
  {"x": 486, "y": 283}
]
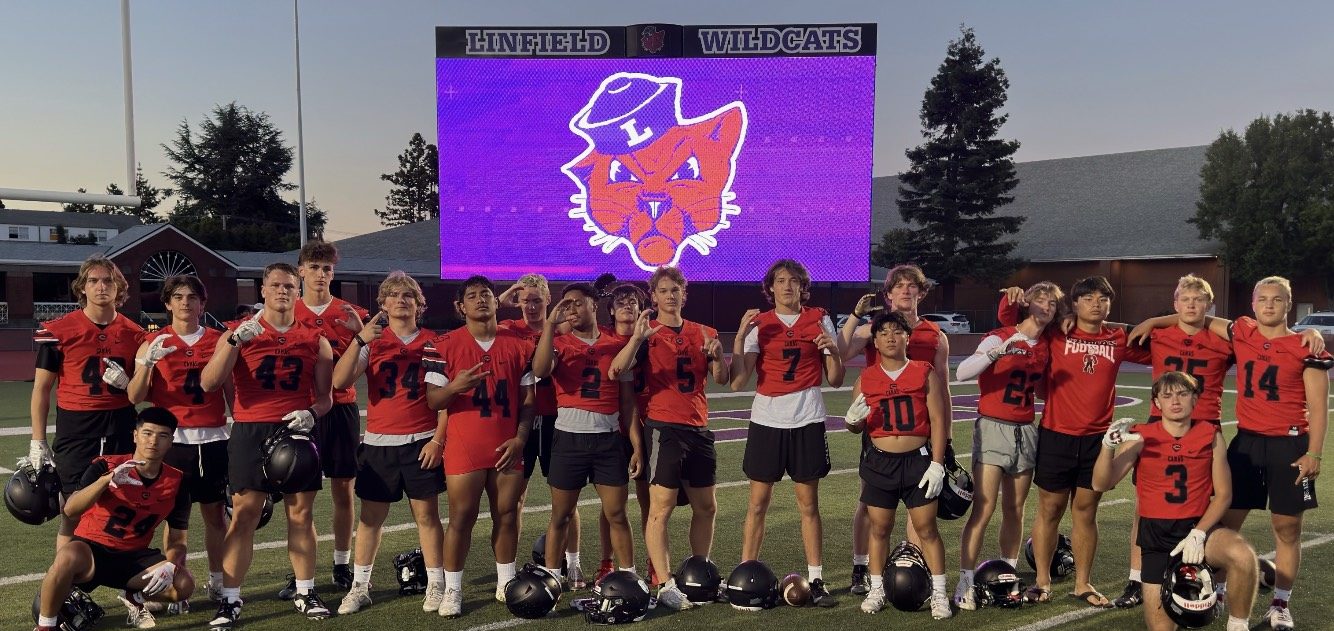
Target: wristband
[
  {"x": 437, "y": 443},
  {"x": 359, "y": 340},
  {"x": 231, "y": 340}
]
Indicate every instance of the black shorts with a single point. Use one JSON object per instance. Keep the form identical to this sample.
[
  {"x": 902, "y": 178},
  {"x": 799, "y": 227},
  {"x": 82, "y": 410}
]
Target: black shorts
[
  {"x": 800, "y": 452},
  {"x": 579, "y": 459},
  {"x": 681, "y": 453},
  {"x": 538, "y": 448},
  {"x": 894, "y": 477},
  {"x": 384, "y": 474},
  {"x": 337, "y": 434},
  {"x": 84, "y": 435},
  {"x": 1262, "y": 473},
  {"x": 245, "y": 458},
  {"x": 1156, "y": 539},
  {"x": 205, "y": 469},
  {"x": 1065, "y": 461},
  {"x": 116, "y": 568}
]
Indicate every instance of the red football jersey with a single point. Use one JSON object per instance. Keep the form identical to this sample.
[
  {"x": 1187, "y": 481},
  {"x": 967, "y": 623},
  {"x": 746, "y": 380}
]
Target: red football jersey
[
  {"x": 83, "y": 345},
  {"x": 923, "y": 342},
  {"x": 275, "y": 373},
  {"x": 339, "y": 336},
  {"x": 1174, "y": 477},
  {"x": 395, "y": 385},
  {"x": 479, "y": 423},
  {"x": 124, "y": 518},
  {"x": 677, "y": 373},
  {"x": 788, "y": 360},
  {"x": 580, "y": 374},
  {"x": 1204, "y": 356},
  {"x": 546, "y": 391},
  {"x": 1007, "y": 387},
  {"x": 1081, "y": 380},
  {"x": 898, "y": 406},
  {"x": 1271, "y": 395},
  {"x": 176, "y": 382}
]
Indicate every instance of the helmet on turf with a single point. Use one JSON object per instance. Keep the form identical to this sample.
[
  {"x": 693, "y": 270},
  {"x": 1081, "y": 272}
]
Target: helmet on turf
[
  {"x": 1188, "y": 594},
  {"x": 698, "y": 579},
  {"x": 77, "y": 613},
  {"x": 410, "y": 567},
  {"x": 618, "y": 598},
  {"x": 1062, "y": 562},
  {"x": 32, "y": 495},
  {"x": 907, "y": 579},
  {"x": 540, "y": 550},
  {"x": 956, "y": 496},
  {"x": 752, "y": 586},
  {"x": 291, "y": 460},
  {"x": 265, "y": 513},
  {"x": 532, "y": 593},
  {"x": 996, "y": 585}
]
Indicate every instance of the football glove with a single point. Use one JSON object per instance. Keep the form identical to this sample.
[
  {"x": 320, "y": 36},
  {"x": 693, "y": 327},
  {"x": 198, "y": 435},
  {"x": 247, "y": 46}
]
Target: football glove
[
  {"x": 120, "y": 476},
  {"x": 1008, "y": 347},
  {"x": 1191, "y": 548},
  {"x": 857, "y": 412},
  {"x": 39, "y": 452},
  {"x": 249, "y": 330},
  {"x": 159, "y": 578},
  {"x": 113, "y": 375},
  {"x": 156, "y": 351},
  {"x": 300, "y": 420},
  {"x": 1119, "y": 432},
  {"x": 933, "y": 480}
]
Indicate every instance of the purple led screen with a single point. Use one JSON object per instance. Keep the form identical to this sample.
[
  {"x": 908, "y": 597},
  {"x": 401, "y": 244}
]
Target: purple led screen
[{"x": 572, "y": 168}]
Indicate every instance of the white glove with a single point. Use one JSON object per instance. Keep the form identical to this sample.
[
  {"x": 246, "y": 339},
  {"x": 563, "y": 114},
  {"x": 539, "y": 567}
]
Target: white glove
[
  {"x": 159, "y": 578},
  {"x": 249, "y": 330},
  {"x": 1119, "y": 432},
  {"x": 113, "y": 375},
  {"x": 933, "y": 480},
  {"x": 39, "y": 452},
  {"x": 1008, "y": 347},
  {"x": 300, "y": 420},
  {"x": 120, "y": 476},
  {"x": 1191, "y": 548},
  {"x": 156, "y": 352},
  {"x": 857, "y": 412}
]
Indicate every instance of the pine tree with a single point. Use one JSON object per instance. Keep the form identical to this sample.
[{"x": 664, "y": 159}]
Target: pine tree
[
  {"x": 416, "y": 193},
  {"x": 961, "y": 174}
]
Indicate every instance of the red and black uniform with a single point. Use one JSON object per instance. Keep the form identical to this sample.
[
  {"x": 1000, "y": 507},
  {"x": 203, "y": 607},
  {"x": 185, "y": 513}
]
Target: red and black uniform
[
  {"x": 587, "y": 445},
  {"x": 580, "y": 375},
  {"x": 399, "y": 422},
  {"x": 1174, "y": 483},
  {"x": 676, "y": 373},
  {"x": 1008, "y": 387},
  {"x": 482, "y": 421},
  {"x": 120, "y": 525},
  {"x": 200, "y": 445},
  {"x": 789, "y": 361},
  {"x": 898, "y": 408},
  {"x": 786, "y": 434},
  {"x": 336, "y": 433},
  {"x": 537, "y": 451},
  {"x": 1271, "y": 420},
  {"x": 92, "y": 417},
  {"x": 1203, "y": 355}
]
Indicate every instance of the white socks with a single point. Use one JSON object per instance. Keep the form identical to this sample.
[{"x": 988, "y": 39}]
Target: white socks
[
  {"x": 1014, "y": 563},
  {"x": 815, "y": 572},
  {"x": 362, "y": 574},
  {"x": 966, "y": 576},
  {"x": 342, "y": 557},
  {"x": 938, "y": 583},
  {"x": 231, "y": 594},
  {"x": 305, "y": 587},
  {"x": 435, "y": 575},
  {"x": 877, "y": 581},
  {"x": 861, "y": 559},
  {"x": 504, "y": 572},
  {"x": 454, "y": 579},
  {"x": 572, "y": 559},
  {"x": 1135, "y": 576}
]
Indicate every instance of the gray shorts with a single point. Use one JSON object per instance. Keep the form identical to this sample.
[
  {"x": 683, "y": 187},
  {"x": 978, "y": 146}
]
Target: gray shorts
[{"x": 1010, "y": 446}]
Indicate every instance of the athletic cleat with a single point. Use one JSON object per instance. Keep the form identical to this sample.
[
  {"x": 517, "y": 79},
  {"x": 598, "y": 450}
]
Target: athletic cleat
[
  {"x": 1278, "y": 616},
  {"x": 575, "y": 577},
  {"x": 963, "y": 596},
  {"x": 875, "y": 600},
  {"x": 311, "y": 606},
  {"x": 342, "y": 575},
  {"x": 213, "y": 591},
  {"x": 670, "y": 596},
  {"x": 288, "y": 592},
  {"x": 500, "y": 592},
  {"x": 229, "y": 613},
  {"x": 940, "y": 606},
  {"x": 820, "y": 596},
  {"x": 861, "y": 579},
  {"x": 435, "y": 594},
  {"x": 1133, "y": 596},
  {"x": 137, "y": 615},
  {"x": 603, "y": 570},
  {"x": 357, "y": 598},
  {"x": 451, "y": 606}
]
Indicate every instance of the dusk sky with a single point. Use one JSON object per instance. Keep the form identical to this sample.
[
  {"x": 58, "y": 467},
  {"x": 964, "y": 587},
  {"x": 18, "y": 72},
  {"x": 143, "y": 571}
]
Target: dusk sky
[{"x": 1086, "y": 78}]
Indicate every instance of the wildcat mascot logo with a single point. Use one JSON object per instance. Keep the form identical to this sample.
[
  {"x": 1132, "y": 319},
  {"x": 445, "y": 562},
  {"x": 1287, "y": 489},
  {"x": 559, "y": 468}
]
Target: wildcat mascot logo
[{"x": 651, "y": 179}]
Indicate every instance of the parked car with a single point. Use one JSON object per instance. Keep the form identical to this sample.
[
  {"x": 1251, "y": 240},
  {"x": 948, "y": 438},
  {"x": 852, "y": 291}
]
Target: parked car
[
  {"x": 950, "y": 322},
  {"x": 1322, "y": 321}
]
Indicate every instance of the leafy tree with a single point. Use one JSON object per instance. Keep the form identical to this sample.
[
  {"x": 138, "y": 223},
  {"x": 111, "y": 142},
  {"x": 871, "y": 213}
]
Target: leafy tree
[
  {"x": 416, "y": 193},
  {"x": 1268, "y": 198},
  {"x": 229, "y": 181},
  {"x": 150, "y": 197},
  {"x": 961, "y": 174},
  {"x": 79, "y": 208}
]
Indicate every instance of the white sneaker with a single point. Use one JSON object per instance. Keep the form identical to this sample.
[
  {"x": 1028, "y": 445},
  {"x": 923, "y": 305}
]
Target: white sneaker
[
  {"x": 671, "y": 597},
  {"x": 435, "y": 594},
  {"x": 875, "y": 600},
  {"x": 963, "y": 595},
  {"x": 357, "y": 598},
  {"x": 1280, "y": 619},
  {"x": 137, "y": 615},
  {"x": 940, "y": 606},
  {"x": 452, "y": 603}
]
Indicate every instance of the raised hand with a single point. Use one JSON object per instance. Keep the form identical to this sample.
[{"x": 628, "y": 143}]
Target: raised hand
[
  {"x": 857, "y": 412},
  {"x": 113, "y": 375},
  {"x": 747, "y": 323},
  {"x": 825, "y": 343},
  {"x": 1014, "y": 295},
  {"x": 156, "y": 352},
  {"x": 120, "y": 476},
  {"x": 866, "y": 305},
  {"x": 1119, "y": 432},
  {"x": 468, "y": 379},
  {"x": 642, "y": 329},
  {"x": 372, "y": 331},
  {"x": 1008, "y": 347},
  {"x": 712, "y": 348},
  {"x": 353, "y": 321},
  {"x": 563, "y": 312},
  {"x": 249, "y": 330}
]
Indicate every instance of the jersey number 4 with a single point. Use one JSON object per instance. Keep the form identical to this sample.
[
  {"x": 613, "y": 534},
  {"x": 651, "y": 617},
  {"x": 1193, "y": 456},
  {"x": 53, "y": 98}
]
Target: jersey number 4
[
  {"x": 1268, "y": 381},
  {"x": 411, "y": 380},
  {"x": 92, "y": 376},
  {"x": 122, "y": 522},
  {"x": 483, "y": 398}
]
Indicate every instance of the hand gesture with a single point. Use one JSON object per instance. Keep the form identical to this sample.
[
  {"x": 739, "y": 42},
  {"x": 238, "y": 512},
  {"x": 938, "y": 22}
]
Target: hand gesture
[
  {"x": 857, "y": 412},
  {"x": 1119, "y": 432},
  {"x": 747, "y": 323},
  {"x": 249, "y": 330},
  {"x": 1307, "y": 467},
  {"x": 1008, "y": 347},
  {"x": 1014, "y": 295},
  {"x": 510, "y": 451},
  {"x": 642, "y": 330},
  {"x": 467, "y": 380},
  {"x": 353, "y": 321},
  {"x": 159, "y": 578},
  {"x": 429, "y": 456},
  {"x": 156, "y": 351},
  {"x": 933, "y": 480},
  {"x": 562, "y": 313},
  {"x": 300, "y": 420},
  {"x": 825, "y": 343},
  {"x": 712, "y": 348},
  {"x": 866, "y": 305},
  {"x": 113, "y": 375},
  {"x": 1191, "y": 548},
  {"x": 120, "y": 476},
  {"x": 372, "y": 331}
]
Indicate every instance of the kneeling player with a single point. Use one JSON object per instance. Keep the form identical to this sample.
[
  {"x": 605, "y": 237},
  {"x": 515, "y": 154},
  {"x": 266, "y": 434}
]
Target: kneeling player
[
  {"x": 1183, "y": 486},
  {"x": 893, "y": 401},
  {"x": 122, "y": 501}
]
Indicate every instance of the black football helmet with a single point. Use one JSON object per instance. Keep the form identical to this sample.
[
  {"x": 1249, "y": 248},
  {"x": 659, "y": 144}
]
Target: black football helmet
[
  {"x": 532, "y": 593},
  {"x": 32, "y": 494},
  {"x": 618, "y": 598},
  {"x": 698, "y": 579},
  {"x": 291, "y": 460},
  {"x": 1062, "y": 562},
  {"x": 752, "y": 586},
  {"x": 265, "y": 513},
  {"x": 995, "y": 584},
  {"x": 540, "y": 550},
  {"x": 410, "y": 567},
  {"x": 77, "y": 613},
  {"x": 956, "y": 497},
  {"x": 907, "y": 578},
  {"x": 1188, "y": 594}
]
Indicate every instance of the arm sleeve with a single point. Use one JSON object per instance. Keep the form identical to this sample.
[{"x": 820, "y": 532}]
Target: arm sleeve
[
  {"x": 363, "y": 358},
  {"x": 827, "y": 325},
  {"x": 973, "y": 366},
  {"x": 97, "y": 469},
  {"x": 49, "y": 356},
  {"x": 179, "y": 517}
]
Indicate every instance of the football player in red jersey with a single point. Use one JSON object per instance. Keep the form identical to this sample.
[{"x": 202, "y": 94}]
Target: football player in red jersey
[
  {"x": 171, "y": 367},
  {"x": 893, "y": 403},
  {"x": 480, "y": 375},
  {"x": 122, "y": 500},
  {"x": 280, "y": 371},
  {"x": 401, "y": 451},
  {"x": 905, "y": 287},
  {"x": 792, "y": 349},
  {"x": 595, "y": 415},
  {"x": 1183, "y": 488},
  {"x": 677, "y": 355},
  {"x": 337, "y": 432},
  {"x": 75, "y": 355},
  {"x": 1009, "y": 365}
]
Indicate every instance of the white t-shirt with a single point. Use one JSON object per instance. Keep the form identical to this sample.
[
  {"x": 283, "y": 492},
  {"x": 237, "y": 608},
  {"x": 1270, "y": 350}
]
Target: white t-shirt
[
  {"x": 795, "y": 409},
  {"x": 198, "y": 435}
]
